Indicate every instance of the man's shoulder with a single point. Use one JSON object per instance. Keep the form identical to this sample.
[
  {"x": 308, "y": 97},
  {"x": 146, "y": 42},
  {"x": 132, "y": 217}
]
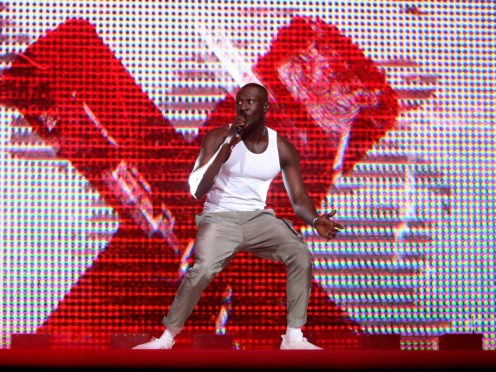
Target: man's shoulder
[
  {"x": 287, "y": 151},
  {"x": 216, "y": 133},
  {"x": 284, "y": 143}
]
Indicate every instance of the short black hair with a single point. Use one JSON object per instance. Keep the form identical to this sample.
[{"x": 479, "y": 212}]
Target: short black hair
[{"x": 259, "y": 87}]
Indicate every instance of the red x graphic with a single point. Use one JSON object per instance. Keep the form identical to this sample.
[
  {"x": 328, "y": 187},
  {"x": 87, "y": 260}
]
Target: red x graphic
[{"x": 79, "y": 98}]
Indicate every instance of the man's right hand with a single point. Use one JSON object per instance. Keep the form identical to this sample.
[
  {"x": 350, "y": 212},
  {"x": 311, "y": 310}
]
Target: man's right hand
[
  {"x": 240, "y": 122},
  {"x": 235, "y": 131}
]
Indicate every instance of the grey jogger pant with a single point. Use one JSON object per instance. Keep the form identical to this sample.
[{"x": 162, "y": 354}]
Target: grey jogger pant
[{"x": 220, "y": 236}]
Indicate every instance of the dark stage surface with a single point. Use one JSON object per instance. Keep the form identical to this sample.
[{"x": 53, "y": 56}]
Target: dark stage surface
[{"x": 250, "y": 359}]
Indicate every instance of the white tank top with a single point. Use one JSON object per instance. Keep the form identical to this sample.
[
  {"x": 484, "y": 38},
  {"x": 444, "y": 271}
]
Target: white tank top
[{"x": 244, "y": 179}]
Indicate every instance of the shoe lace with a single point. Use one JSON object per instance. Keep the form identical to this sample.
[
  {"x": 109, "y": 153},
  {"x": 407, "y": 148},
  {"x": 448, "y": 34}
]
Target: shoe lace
[
  {"x": 163, "y": 343},
  {"x": 154, "y": 339}
]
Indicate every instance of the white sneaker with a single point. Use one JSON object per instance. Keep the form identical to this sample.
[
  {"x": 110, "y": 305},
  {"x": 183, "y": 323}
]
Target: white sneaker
[
  {"x": 156, "y": 344},
  {"x": 301, "y": 344}
]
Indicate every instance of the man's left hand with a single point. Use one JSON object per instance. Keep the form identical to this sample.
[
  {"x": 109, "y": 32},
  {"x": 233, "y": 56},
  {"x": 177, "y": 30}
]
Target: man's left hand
[{"x": 326, "y": 227}]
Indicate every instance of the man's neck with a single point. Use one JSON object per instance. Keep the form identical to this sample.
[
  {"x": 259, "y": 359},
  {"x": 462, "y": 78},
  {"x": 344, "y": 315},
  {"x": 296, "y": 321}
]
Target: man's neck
[{"x": 258, "y": 134}]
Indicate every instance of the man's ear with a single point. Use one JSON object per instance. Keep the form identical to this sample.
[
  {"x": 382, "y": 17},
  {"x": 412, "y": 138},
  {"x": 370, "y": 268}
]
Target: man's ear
[{"x": 266, "y": 106}]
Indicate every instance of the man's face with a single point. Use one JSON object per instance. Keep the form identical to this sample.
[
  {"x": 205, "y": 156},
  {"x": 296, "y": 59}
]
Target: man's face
[{"x": 251, "y": 102}]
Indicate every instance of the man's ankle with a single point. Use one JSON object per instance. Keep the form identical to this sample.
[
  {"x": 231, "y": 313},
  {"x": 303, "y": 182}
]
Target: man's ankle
[
  {"x": 294, "y": 334},
  {"x": 168, "y": 335}
]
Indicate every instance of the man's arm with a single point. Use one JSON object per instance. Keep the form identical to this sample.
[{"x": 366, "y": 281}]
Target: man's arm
[
  {"x": 300, "y": 200},
  {"x": 215, "y": 150}
]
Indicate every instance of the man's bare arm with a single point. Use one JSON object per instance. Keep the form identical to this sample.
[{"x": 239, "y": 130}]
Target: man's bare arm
[
  {"x": 300, "y": 200},
  {"x": 215, "y": 150}
]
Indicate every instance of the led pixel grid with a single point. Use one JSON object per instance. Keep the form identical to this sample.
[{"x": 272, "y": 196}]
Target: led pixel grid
[{"x": 103, "y": 108}]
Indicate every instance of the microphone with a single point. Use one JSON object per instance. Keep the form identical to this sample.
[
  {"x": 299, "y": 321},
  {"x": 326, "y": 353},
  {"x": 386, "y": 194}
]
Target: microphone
[{"x": 239, "y": 129}]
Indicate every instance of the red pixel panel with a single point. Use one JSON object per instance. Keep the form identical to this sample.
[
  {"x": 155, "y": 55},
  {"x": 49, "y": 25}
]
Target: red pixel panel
[{"x": 79, "y": 98}]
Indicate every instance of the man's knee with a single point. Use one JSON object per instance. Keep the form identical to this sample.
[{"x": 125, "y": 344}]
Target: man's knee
[
  {"x": 302, "y": 258},
  {"x": 202, "y": 273}
]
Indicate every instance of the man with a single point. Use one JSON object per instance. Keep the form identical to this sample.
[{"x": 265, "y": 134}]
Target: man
[{"x": 234, "y": 169}]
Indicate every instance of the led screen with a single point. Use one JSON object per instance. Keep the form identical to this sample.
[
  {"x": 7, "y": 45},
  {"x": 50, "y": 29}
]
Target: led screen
[{"x": 103, "y": 107}]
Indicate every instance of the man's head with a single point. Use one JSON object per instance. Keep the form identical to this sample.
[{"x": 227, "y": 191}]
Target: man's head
[{"x": 252, "y": 102}]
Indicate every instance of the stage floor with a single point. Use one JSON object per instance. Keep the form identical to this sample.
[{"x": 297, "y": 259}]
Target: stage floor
[{"x": 250, "y": 359}]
